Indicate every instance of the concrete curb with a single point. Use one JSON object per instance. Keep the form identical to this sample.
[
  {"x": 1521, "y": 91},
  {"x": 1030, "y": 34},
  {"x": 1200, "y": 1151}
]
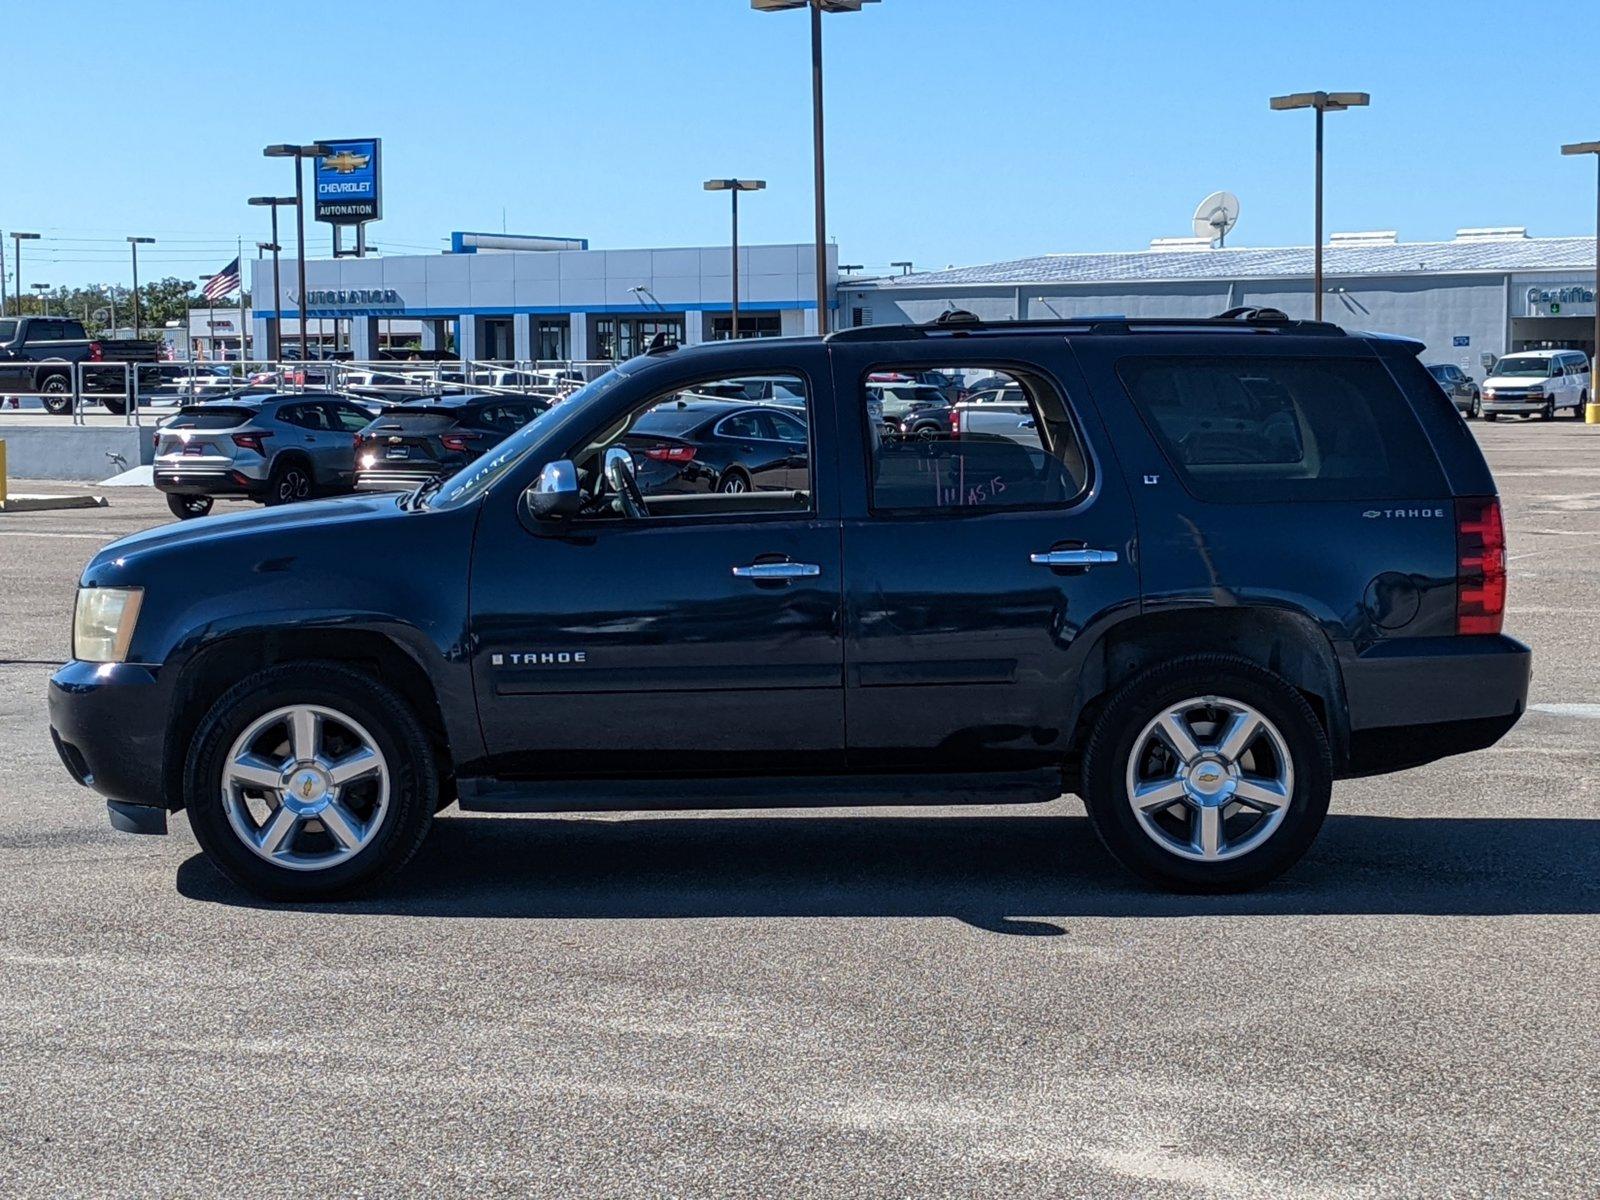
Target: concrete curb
[{"x": 21, "y": 504}]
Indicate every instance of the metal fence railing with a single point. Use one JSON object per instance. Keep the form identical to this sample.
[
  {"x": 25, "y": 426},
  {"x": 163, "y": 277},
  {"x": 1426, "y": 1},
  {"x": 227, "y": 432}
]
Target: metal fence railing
[{"x": 73, "y": 390}]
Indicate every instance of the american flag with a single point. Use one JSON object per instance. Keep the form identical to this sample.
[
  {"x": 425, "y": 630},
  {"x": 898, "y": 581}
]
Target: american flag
[{"x": 223, "y": 282}]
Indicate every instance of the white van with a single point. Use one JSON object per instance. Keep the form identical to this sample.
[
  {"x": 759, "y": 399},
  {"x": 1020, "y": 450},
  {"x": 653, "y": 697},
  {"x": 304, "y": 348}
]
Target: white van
[{"x": 1537, "y": 381}]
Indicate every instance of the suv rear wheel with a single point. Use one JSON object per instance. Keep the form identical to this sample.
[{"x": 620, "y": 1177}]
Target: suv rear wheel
[
  {"x": 185, "y": 507},
  {"x": 290, "y": 481},
  {"x": 310, "y": 781},
  {"x": 1207, "y": 774}
]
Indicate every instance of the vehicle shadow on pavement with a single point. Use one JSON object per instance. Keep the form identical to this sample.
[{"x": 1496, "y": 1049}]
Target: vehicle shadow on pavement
[{"x": 1007, "y": 874}]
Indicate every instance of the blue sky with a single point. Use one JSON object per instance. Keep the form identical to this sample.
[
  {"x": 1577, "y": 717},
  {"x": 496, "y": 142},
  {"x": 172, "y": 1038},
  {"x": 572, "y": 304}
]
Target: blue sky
[{"x": 960, "y": 131}]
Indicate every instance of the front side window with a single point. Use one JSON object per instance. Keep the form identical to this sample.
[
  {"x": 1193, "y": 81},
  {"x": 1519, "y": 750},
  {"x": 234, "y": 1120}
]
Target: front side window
[
  {"x": 1267, "y": 429},
  {"x": 698, "y": 450},
  {"x": 957, "y": 450}
]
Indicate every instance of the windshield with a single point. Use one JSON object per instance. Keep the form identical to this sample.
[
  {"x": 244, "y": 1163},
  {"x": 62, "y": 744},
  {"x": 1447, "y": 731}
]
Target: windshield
[
  {"x": 1538, "y": 368},
  {"x": 476, "y": 478}
]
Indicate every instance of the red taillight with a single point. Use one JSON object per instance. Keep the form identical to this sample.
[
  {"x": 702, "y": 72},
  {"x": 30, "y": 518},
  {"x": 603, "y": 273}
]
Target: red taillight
[
  {"x": 458, "y": 441},
  {"x": 955, "y": 422},
  {"x": 673, "y": 454},
  {"x": 96, "y": 352},
  {"x": 1480, "y": 565},
  {"x": 251, "y": 441}
]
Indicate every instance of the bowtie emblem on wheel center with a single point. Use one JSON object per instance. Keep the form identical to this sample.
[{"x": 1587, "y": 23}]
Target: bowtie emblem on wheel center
[
  {"x": 1210, "y": 781},
  {"x": 307, "y": 790}
]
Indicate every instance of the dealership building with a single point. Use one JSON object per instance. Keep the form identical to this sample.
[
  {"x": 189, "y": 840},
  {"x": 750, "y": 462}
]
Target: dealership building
[
  {"x": 1469, "y": 300},
  {"x": 511, "y": 297}
]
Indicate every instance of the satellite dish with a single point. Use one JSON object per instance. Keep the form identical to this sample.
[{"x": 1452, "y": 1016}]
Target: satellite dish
[{"x": 1217, "y": 214}]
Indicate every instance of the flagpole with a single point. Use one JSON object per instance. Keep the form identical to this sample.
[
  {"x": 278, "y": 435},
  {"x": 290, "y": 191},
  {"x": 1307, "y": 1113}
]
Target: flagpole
[{"x": 244, "y": 339}]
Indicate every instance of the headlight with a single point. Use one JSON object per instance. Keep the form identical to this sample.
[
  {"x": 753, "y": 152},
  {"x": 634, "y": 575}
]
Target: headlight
[
  {"x": 1536, "y": 390},
  {"x": 102, "y": 625}
]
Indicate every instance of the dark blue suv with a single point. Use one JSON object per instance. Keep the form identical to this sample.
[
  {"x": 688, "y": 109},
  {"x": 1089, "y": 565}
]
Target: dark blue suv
[{"x": 1214, "y": 566}]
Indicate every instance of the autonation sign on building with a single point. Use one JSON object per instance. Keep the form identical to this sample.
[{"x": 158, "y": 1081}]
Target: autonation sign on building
[{"x": 349, "y": 182}]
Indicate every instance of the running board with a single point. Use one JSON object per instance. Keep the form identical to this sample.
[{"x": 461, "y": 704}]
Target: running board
[{"x": 806, "y": 791}]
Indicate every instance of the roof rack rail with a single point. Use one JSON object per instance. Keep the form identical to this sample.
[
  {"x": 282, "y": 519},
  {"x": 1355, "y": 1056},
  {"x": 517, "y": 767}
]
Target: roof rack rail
[{"x": 961, "y": 323}]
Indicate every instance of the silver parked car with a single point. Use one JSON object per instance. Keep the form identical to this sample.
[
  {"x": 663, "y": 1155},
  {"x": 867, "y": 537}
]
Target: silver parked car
[{"x": 272, "y": 447}]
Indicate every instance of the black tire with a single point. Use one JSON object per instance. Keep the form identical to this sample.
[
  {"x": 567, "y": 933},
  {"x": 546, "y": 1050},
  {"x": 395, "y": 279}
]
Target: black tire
[
  {"x": 405, "y": 745},
  {"x": 1127, "y": 716},
  {"x": 1583, "y": 401},
  {"x": 1491, "y": 416},
  {"x": 56, "y": 394},
  {"x": 188, "y": 507},
  {"x": 733, "y": 482},
  {"x": 1475, "y": 410},
  {"x": 1548, "y": 413},
  {"x": 115, "y": 405},
  {"x": 289, "y": 482}
]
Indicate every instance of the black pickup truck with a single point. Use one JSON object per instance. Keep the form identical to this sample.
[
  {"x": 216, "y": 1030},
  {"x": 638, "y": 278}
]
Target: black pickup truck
[
  {"x": 1223, "y": 563},
  {"x": 39, "y": 354}
]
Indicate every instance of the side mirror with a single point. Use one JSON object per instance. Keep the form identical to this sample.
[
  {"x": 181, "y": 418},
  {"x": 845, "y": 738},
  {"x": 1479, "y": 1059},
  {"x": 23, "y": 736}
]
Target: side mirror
[{"x": 555, "y": 493}]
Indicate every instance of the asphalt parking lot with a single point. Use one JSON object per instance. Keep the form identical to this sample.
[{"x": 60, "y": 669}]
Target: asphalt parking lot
[{"x": 892, "y": 1003}]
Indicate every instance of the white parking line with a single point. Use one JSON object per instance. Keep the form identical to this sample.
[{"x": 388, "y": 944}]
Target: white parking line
[
  {"x": 39, "y": 533},
  {"x": 1585, "y": 712}
]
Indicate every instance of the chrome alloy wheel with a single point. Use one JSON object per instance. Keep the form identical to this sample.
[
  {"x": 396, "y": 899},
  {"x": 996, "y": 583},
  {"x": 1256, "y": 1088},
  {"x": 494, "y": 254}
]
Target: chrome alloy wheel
[
  {"x": 1210, "y": 779},
  {"x": 305, "y": 787}
]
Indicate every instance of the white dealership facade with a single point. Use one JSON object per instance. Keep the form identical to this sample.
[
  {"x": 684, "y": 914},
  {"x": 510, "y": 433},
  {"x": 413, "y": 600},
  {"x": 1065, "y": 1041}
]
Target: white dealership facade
[{"x": 500, "y": 297}]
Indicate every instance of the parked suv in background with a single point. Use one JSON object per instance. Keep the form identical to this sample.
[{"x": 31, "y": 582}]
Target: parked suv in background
[
  {"x": 1460, "y": 387},
  {"x": 1537, "y": 382},
  {"x": 271, "y": 447},
  {"x": 423, "y": 440},
  {"x": 1237, "y": 559}
]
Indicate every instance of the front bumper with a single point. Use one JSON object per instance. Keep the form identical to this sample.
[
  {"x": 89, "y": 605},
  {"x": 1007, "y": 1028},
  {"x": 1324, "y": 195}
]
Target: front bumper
[
  {"x": 1515, "y": 405},
  {"x": 1414, "y": 700},
  {"x": 109, "y": 725}
]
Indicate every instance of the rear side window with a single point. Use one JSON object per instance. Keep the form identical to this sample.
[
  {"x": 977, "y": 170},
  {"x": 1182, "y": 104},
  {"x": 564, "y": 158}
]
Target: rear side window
[
  {"x": 210, "y": 418},
  {"x": 940, "y": 456},
  {"x": 1283, "y": 429}
]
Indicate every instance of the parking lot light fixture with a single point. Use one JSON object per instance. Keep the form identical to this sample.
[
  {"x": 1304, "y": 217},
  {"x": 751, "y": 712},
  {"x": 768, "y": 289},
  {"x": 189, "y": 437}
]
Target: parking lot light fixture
[
  {"x": 1594, "y": 149},
  {"x": 905, "y": 267},
  {"x": 133, "y": 248},
  {"x": 44, "y": 295},
  {"x": 16, "y": 241},
  {"x": 734, "y": 187},
  {"x": 817, "y": 7},
  {"x": 299, "y": 153},
  {"x": 274, "y": 330},
  {"x": 1322, "y": 102}
]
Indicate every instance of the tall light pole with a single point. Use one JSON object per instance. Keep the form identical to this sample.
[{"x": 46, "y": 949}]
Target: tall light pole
[
  {"x": 817, "y": 7},
  {"x": 299, "y": 154},
  {"x": 735, "y": 186},
  {"x": 133, "y": 245},
  {"x": 1323, "y": 102},
  {"x": 16, "y": 240},
  {"x": 1594, "y": 354},
  {"x": 275, "y": 335}
]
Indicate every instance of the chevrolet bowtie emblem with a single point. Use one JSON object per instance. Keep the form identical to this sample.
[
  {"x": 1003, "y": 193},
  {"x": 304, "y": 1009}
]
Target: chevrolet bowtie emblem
[{"x": 345, "y": 162}]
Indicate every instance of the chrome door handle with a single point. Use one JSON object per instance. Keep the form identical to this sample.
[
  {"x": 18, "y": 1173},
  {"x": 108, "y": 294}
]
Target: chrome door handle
[
  {"x": 1074, "y": 558},
  {"x": 778, "y": 570}
]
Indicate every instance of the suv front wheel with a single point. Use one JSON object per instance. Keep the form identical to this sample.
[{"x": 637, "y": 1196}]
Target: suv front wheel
[
  {"x": 309, "y": 781},
  {"x": 1207, "y": 774}
]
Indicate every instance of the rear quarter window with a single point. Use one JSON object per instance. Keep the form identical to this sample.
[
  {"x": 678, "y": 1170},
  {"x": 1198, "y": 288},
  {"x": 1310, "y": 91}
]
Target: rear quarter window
[{"x": 1270, "y": 429}]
